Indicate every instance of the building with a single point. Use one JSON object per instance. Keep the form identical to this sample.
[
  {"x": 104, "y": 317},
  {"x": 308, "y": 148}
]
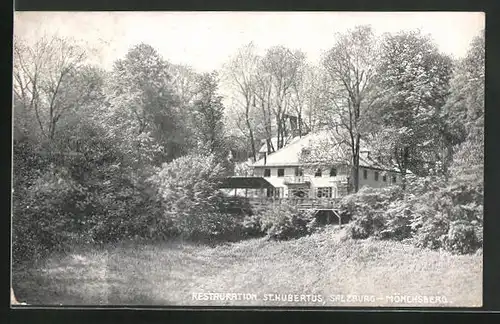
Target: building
[{"x": 296, "y": 170}]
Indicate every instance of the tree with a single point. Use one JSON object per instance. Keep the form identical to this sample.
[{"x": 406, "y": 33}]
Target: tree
[
  {"x": 141, "y": 112},
  {"x": 465, "y": 111},
  {"x": 283, "y": 69},
  {"x": 350, "y": 72},
  {"x": 239, "y": 73},
  {"x": 208, "y": 117},
  {"x": 47, "y": 80},
  {"x": 416, "y": 78},
  {"x": 183, "y": 80}
]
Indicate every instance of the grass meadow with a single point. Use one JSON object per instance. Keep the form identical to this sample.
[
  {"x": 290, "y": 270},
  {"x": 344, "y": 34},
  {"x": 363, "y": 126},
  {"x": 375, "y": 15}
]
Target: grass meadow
[{"x": 325, "y": 263}]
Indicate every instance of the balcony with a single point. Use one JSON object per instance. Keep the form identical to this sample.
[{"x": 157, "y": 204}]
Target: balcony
[
  {"x": 342, "y": 179},
  {"x": 297, "y": 180}
]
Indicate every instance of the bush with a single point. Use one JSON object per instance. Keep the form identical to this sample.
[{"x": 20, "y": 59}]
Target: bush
[
  {"x": 462, "y": 238},
  {"x": 252, "y": 226},
  {"x": 367, "y": 209},
  {"x": 284, "y": 222},
  {"x": 44, "y": 216},
  {"x": 188, "y": 191},
  {"x": 371, "y": 224},
  {"x": 450, "y": 218},
  {"x": 369, "y": 200},
  {"x": 397, "y": 221}
]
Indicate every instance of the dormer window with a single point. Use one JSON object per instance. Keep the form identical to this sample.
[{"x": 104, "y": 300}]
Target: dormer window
[
  {"x": 306, "y": 152},
  {"x": 318, "y": 173},
  {"x": 333, "y": 172}
]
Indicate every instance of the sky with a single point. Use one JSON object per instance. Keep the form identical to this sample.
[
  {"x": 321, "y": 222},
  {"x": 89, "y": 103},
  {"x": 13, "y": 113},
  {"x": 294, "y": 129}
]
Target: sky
[{"x": 206, "y": 40}]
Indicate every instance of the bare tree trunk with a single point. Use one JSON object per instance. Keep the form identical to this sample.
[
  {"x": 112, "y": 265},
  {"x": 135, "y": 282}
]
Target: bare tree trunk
[
  {"x": 356, "y": 164},
  {"x": 404, "y": 164},
  {"x": 252, "y": 140}
]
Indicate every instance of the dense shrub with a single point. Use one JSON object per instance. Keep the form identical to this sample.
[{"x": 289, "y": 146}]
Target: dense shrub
[
  {"x": 188, "y": 191},
  {"x": 68, "y": 192},
  {"x": 367, "y": 209},
  {"x": 284, "y": 222},
  {"x": 252, "y": 226},
  {"x": 431, "y": 212},
  {"x": 44, "y": 217},
  {"x": 397, "y": 221},
  {"x": 450, "y": 218},
  {"x": 369, "y": 200}
]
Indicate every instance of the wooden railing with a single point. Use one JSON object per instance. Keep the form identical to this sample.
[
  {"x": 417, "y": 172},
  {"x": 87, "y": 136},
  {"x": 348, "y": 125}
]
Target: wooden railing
[
  {"x": 296, "y": 179},
  {"x": 301, "y": 202}
]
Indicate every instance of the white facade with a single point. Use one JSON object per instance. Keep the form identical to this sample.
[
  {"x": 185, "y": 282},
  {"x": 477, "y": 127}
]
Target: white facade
[
  {"x": 286, "y": 171},
  {"x": 325, "y": 185}
]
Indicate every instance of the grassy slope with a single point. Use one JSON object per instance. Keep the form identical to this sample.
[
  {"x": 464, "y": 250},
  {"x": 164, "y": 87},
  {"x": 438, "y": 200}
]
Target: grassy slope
[{"x": 323, "y": 263}]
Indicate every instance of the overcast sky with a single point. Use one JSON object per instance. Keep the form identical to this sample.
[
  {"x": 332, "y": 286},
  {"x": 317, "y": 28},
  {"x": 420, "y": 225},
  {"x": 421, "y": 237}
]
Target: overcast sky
[{"x": 205, "y": 40}]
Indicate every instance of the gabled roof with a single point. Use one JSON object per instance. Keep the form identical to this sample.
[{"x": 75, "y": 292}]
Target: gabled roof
[
  {"x": 321, "y": 147},
  {"x": 288, "y": 155},
  {"x": 274, "y": 141}
]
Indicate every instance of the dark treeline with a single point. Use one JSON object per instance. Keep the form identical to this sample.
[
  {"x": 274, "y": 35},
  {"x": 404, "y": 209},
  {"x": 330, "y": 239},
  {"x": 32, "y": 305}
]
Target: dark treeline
[{"x": 134, "y": 152}]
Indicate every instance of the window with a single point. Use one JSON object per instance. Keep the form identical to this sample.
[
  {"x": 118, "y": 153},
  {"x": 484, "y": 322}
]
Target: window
[
  {"x": 333, "y": 172},
  {"x": 318, "y": 173},
  {"x": 275, "y": 192},
  {"x": 267, "y": 173},
  {"x": 297, "y": 193},
  {"x": 325, "y": 192},
  {"x": 299, "y": 172},
  {"x": 384, "y": 178},
  {"x": 393, "y": 179},
  {"x": 376, "y": 175},
  {"x": 365, "y": 174},
  {"x": 281, "y": 172}
]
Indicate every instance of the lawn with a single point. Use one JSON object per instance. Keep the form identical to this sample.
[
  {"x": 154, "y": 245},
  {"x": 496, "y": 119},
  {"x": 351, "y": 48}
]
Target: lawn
[{"x": 330, "y": 270}]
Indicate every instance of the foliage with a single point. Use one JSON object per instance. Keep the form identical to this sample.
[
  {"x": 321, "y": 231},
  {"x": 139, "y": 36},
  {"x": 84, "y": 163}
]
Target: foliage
[
  {"x": 252, "y": 226},
  {"x": 369, "y": 200},
  {"x": 415, "y": 78},
  {"x": 138, "y": 151},
  {"x": 284, "y": 222},
  {"x": 351, "y": 98},
  {"x": 45, "y": 215},
  {"x": 465, "y": 110},
  {"x": 141, "y": 107},
  {"x": 209, "y": 133},
  {"x": 450, "y": 218},
  {"x": 187, "y": 189}
]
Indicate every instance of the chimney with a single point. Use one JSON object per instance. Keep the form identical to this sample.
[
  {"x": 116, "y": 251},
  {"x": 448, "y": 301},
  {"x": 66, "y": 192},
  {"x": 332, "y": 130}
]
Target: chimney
[{"x": 265, "y": 158}]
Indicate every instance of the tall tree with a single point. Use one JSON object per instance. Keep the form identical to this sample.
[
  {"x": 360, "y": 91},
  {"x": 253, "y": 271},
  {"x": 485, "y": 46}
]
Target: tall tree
[
  {"x": 283, "y": 67},
  {"x": 416, "y": 76},
  {"x": 350, "y": 68},
  {"x": 239, "y": 73},
  {"x": 142, "y": 106},
  {"x": 465, "y": 111},
  {"x": 208, "y": 117},
  {"x": 44, "y": 75}
]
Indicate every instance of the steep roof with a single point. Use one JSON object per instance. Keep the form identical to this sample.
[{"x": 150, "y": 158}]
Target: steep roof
[
  {"x": 288, "y": 155},
  {"x": 274, "y": 141},
  {"x": 320, "y": 146}
]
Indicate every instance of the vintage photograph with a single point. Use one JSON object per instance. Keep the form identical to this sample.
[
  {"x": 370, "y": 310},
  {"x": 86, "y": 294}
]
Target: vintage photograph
[{"x": 264, "y": 159}]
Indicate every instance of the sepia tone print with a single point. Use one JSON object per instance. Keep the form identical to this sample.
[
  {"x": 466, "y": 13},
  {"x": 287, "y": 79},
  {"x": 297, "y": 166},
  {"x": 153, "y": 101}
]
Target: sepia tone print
[{"x": 248, "y": 159}]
